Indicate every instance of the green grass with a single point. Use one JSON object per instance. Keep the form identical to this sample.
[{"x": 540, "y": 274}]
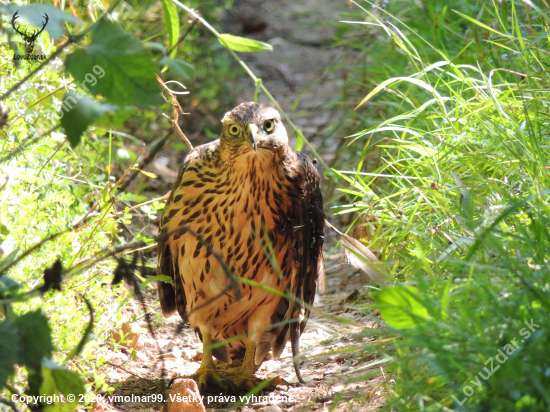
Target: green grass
[{"x": 458, "y": 117}]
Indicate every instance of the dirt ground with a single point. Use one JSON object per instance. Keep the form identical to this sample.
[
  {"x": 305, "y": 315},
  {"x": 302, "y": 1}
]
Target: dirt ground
[{"x": 300, "y": 35}]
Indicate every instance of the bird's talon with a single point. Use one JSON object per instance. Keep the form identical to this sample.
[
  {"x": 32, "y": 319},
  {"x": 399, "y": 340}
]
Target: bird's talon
[
  {"x": 231, "y": 386},
  {"x": 246, "y": 383}
]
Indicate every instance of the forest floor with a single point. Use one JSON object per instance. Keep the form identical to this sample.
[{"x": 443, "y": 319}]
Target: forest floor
[{"x": 296, "y": 69}]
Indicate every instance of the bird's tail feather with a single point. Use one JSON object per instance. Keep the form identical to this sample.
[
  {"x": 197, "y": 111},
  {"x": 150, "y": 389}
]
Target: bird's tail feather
[{"x": 359, "y": 255}]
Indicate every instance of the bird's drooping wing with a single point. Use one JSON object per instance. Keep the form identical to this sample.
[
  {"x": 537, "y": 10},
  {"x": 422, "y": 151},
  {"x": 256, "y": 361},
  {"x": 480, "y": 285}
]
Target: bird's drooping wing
[
  {"x": 306, "y": 238},
  {"x": 310, "y": 268},
  {"x": 167, "y": 265},
  {"x": 310, "y": 220}
]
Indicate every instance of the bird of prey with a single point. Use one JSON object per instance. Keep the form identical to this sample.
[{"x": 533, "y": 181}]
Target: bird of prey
[{"x": 256, "y": 203}]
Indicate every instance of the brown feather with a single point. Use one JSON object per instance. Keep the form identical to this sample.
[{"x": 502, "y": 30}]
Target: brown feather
[{"x": 359, "y": 256}]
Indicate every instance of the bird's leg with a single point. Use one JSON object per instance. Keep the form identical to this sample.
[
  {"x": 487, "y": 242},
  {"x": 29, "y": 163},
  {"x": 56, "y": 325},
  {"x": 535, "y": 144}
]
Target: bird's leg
[
  {"x": 245, "y": 379},
  {"x": 207, "y": 372}
]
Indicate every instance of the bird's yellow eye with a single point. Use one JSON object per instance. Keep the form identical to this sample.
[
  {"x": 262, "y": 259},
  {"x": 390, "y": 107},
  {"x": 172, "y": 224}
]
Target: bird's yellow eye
[
  {"x": 234, "y": 130},
  {"x": 269, "y": 125}
]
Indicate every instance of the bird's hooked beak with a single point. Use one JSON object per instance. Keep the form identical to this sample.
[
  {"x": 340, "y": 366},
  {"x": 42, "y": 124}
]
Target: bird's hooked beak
[{"x": 253, "y": 135}]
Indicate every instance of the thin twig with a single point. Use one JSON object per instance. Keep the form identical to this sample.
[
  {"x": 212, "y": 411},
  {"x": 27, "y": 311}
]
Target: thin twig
[
  {"x": 131, "y": 167},
  {"x": 143, "y": 165},
  {"x": 9, "y": 403},
  {"x": 111, "y": 205},
  {"x": 27, "y": 143},
  {"x": 176, "y": 126},
  {"x": 87, "y": 331},
  {"x": 125, "y": 252},
  {"x": 50, "y": 158},
  {"x": 159, "y": 199},
  {"x": 182, "y": 37},
  {"x": 176, "y": 106},
  {"x": 127, "y": 371}
]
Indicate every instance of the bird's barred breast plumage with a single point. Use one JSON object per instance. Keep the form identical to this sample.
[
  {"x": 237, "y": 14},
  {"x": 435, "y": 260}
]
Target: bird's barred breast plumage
[{"x": 250, "y": 206}]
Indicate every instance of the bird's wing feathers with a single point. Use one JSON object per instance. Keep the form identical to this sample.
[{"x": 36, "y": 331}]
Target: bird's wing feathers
[
  {"x": 172, "y": 298},
  {"x": 310, "y": 223},
  {"x": 306, "y": 240},
  {"x": 308, "y": 247},
  {"x": 167, "y": 264}
]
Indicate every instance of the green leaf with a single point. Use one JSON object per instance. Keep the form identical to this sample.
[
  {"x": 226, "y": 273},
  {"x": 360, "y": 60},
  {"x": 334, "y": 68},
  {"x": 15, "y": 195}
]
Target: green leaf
[
  {"x": 33, "y": 15},
  {"x": 400, "y": 307},
  {"x": 60, "y": 380},
  {"x": 148, "y": 174},
  {"x": 300, "y": 140},
  {"x": 178, "y": 66},
  {"x": 4, "y": 231},
  {"x": 465, "y": 198},
  {"x": 7, "y": 284},
  {"x": 172, "y": 23},
  {"x": 9, "y": 344},
  {"x": 34, "y": 334},
  {"x": 116, "y": 119},
  {"x": 242, "y": 44},
  {"x": 155, "y": 47},
  {"x": 79, "y": 112},
  {"x": 126, "y": 67},
  {"x": 8, "y": 260},
  {"x": 162, "y": 278},
  {"x": 397, "y": 80},
  {"x": 480, "y": 24}
]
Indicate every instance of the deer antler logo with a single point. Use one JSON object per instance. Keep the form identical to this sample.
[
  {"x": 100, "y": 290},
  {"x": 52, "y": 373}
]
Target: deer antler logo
[{"x": 29, "y": 38}]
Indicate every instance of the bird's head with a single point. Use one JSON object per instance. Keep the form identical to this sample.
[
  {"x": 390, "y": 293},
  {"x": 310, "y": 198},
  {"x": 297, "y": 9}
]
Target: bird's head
[{"x": 250, "y": 126}]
